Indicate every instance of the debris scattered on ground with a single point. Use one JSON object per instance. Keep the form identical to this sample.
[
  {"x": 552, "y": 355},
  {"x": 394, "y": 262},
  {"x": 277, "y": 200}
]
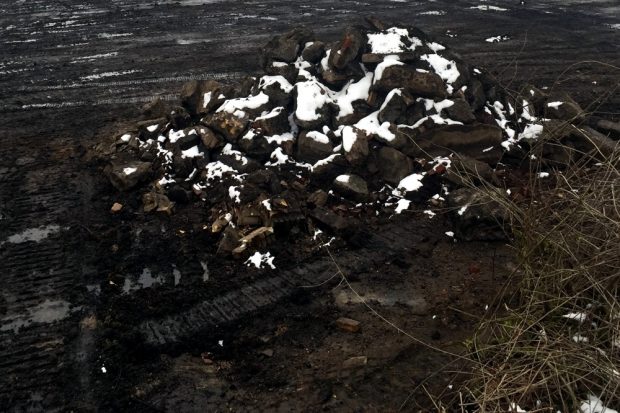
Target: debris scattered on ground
[
  {"x": 348, "y": 324},
  {"x": 116, "y": 208},
  {"x": 355, "y": 362}
]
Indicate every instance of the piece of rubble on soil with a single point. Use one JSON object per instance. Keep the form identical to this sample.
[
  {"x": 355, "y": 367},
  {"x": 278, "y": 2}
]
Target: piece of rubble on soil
[{"x": 377, "y": 119}]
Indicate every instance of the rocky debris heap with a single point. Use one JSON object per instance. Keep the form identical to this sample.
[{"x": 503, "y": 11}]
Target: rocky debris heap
[{"x": 379, "y": 118}]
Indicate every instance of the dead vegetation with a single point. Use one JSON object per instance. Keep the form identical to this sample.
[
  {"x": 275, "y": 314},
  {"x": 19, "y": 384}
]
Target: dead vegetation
[{"x": 551, "y": 339}]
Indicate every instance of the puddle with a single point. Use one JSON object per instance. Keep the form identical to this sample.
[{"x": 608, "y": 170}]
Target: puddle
[
  {"x": 145, "y": 280},
  {"x": 32, "y": 234},
  {"x": 176, "y": 274},
  {"x": 148, "y": 279},
  {"x": 205, "y": 274},
  {"x": 47, "y": 312}
]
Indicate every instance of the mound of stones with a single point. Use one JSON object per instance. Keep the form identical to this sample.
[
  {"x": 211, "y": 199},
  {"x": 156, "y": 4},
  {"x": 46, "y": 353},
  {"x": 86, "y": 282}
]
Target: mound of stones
[{"x": 378, "y": 119}]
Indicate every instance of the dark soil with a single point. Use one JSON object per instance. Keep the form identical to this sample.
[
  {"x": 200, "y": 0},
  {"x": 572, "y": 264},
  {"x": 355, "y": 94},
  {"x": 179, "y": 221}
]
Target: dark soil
[{"x": 64, "y": 314}]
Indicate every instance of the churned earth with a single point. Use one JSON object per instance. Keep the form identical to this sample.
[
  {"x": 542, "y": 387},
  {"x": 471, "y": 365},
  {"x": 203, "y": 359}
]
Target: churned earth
[{"x": 82, "y": 288}]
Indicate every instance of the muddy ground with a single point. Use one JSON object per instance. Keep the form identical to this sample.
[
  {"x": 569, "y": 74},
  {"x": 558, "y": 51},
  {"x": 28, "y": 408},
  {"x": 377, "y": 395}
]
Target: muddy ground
[{"x": 112, "y": 313}]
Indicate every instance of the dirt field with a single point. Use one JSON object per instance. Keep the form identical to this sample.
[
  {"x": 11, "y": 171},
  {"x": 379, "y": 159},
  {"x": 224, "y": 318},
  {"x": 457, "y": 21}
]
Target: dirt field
[{"x": 79, "y": 330}]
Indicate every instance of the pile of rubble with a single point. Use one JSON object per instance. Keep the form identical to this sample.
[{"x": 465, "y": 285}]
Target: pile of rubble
[{"x": 377, "y": 120}]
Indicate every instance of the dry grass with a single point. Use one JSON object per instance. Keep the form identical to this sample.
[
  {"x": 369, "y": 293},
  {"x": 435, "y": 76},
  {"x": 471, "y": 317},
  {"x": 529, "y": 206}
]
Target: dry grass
[{"x": 529, "y": 351}]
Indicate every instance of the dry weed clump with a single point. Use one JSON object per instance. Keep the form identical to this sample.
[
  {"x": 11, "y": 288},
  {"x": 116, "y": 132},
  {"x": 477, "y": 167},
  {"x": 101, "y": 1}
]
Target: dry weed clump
[{"x": 554, "y": 337}]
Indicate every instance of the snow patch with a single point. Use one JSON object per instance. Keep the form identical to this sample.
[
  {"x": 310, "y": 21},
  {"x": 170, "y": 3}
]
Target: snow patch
[
  {"x": 402, "y": 205},
  {"x": 391, "y": 41},
  {"x": 554, "y": 105},
  {"x": 236, "y": 106},
  {"x": 312, "y": 96},
  {"x": 594, "y": 405},
  {"x": 258, "y": 260},
  {"x": 487, "y": 8},
  {"x": 390, "y": 60},
  {"x": 234, "y": 194}
]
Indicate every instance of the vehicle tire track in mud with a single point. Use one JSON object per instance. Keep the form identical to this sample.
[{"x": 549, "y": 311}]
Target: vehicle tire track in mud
[
  {"x": 233, "y": 306},
  {"x": 40, "y": 271}
]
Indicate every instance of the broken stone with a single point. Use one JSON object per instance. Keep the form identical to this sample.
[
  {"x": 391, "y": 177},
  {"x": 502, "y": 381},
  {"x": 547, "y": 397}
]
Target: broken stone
[
  {"x": 424, "y": 84},
  {"x": 311, "y": 108},
  {"x": 588, "y": 140},
  {"x": 407, "y": 57},
  {"x": 229, "y": 125},
  {"x": 607, "y": 127},
  {"x": 477, "y": 141},
  {"x": 393, "y": 109},
  {"x": 189, "y": 139},
  {"x": 127, "y": 176},
  {"x": 564, "y": 142},
  {"x": 393, "y": 165},
  {"x": 128, "y": 138},
  {"x": 200, "y": 97},
  {"x": 149, "y": 202},
  {"x": 208, "y": 138},
  {"x": 116, "y": 208},
  {"x": 460, "y": 111},
  {"x": 151, "y": 129},
  {"x": 376, "y": 23},
  {"x": 178, "y": 194},
  {"x": 156, "y": 108},
  {"x": 267, "y": 352},
  {"x": 255, "y": 239},
  {"x": 313, "y": 52},
  {"x": 477, "y": 216},
  {"x": 148, "y": 155},
  {"x": 330, "y": 167},
  {"x": 318, "y": 198},
  {"x": 277, "y": 88},
  {"x": 287, "y": 71},
  {"x": 237, "y": 161},
  {"x": 244, "y": 87},
  {"x": 152, "y": 201},
  {"x": 183, "y": 167},
  {"x": 220, "y": 223},
  {"x": 355, "y": 362},
  {"x": 179, "y": 118},
  {"x": 256, "y": 146},
  {"x": 536, "y": 99},
  {"x": 266, "y": 180},
  {"x": 355, "y": 145},
  {"x": 333, "y": 78},
  {"x": 464, "y": 170},
  {"x": 475, "y": 95},
  {"x": 249, "y": 215},
  {"x": 402, "y": 137},
  {"x": 361, "y": 109},
  {"x": 313, "y": 146},
  {"x": 347, "y": 324},
  {"x": 273, "y": 123},
  {"x": 415, "y": 113},
  {"x": 351, "y": 186},
  {"x": 561, "y": 106},
  {"x": 229, "y": 241},
  {"x": 330, "y": 220},
  {"x": 348, "y": 49},
  {"x": 285, "y": 48},
  {"x": 233, "y": 148}
]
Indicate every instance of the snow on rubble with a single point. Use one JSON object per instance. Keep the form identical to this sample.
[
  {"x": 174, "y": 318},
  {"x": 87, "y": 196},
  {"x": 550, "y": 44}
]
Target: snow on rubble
[{"x": 374, "y": 119}]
